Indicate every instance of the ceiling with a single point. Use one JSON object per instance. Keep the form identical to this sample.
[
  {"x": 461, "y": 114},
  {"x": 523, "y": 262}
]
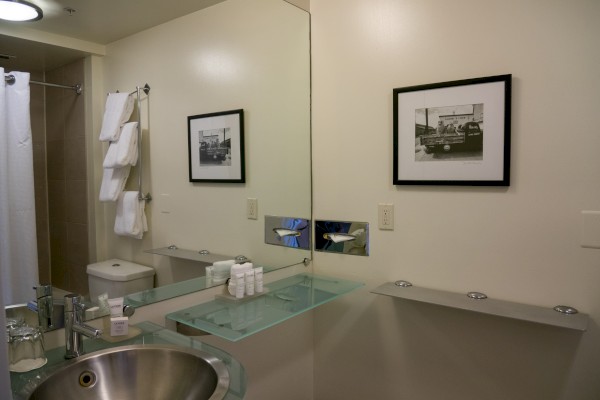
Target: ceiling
[{"x": 97, "y": 21}]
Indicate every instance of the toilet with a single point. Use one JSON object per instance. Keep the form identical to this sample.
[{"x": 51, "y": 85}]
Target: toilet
[{"x": 118, "y": 278}]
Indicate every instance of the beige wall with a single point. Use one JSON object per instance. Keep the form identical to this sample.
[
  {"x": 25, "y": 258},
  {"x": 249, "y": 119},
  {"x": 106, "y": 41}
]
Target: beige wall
[{"x": 521, "y": 243}]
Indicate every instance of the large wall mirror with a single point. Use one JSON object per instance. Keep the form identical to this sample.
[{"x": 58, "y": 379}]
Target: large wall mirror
[{"x": 233, "y": 54}]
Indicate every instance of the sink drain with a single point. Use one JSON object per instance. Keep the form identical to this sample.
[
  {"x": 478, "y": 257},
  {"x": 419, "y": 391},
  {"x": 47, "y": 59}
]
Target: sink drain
[{"x": 87, "y": 379}]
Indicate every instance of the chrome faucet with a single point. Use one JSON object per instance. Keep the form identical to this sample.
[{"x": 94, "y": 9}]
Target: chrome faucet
[
  {"x": 75, "y": 329},
  {"x": 45, "y": 306}
]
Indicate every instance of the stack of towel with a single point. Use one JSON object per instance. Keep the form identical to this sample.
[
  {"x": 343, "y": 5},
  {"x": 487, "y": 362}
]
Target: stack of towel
[
  {"x": 131, "y": 216},
  {"x": 123, "y": 151},
  {"x": 113, "y": 183},
  {"x": 117, "y": 111},
  {"x": 121, "y": 155}
]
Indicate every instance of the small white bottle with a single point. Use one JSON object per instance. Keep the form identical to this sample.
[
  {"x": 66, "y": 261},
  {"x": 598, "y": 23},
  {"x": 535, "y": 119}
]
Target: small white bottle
[
  {"x": 258, "y": 279},
  {"x": 249, "y": 277},
  {"x": 209, "y": 276},
  {"x": 240, "y": 285}
]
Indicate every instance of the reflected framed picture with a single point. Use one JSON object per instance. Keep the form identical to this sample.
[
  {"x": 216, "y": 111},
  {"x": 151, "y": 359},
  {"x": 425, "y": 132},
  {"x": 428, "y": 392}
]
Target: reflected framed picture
[
  {"x": 216, "y": 147},
  {"x": 453, "y": 133}
]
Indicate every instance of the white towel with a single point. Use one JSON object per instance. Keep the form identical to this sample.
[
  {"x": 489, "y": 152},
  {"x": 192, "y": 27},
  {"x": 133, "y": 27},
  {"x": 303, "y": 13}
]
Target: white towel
[
  {"x": 113, "y": 183},
  {"x": 131, "y": 216},
  {"x": 117, "y": 111},
  {"x": 124, "y": 151}
]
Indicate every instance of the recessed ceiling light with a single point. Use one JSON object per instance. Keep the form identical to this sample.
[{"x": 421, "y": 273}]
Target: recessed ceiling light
[{"x": 19, "y": 10}]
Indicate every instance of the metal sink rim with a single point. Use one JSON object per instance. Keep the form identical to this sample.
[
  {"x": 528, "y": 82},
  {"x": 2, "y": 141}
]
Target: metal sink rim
[{"x": 223, "y": 378}]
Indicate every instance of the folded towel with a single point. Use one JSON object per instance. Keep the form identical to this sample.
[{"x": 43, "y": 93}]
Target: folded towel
[
  {"x": 113, "y": 183},
  {"x": 131, "y": 216},
  {"x": 125, "y": 150},
  {"x": 117, "y": 111}
]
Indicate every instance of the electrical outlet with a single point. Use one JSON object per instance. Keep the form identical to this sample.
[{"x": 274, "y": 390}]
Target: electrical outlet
[
  {"x": 386, "y": 216},
  {"x": 252, "y": 208}
]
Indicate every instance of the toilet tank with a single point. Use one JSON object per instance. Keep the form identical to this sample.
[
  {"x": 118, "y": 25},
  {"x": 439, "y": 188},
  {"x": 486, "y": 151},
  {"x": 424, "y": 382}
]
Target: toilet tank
[{"x": 118, "y": 278}]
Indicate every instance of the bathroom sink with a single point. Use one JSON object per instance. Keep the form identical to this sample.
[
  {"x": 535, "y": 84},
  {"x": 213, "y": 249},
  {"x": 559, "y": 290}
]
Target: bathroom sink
[{"x": 145, "y": 371}]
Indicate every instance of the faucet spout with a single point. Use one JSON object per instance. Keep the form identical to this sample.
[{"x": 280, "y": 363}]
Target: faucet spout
[
  {"x": 75, "y": 329},
  {"x": 87, "y": 330}
]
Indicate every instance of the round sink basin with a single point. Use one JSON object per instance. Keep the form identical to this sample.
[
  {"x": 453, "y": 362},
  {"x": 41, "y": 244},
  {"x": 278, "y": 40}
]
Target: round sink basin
[{"x": 138, "y": 372}]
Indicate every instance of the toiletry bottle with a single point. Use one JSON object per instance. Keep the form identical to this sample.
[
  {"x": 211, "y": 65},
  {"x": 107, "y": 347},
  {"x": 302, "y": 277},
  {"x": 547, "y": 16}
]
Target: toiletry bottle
[
  {"x": 240, "y": 285},
  {"x": 258, "y": 279},
  {"x": 249, "y": 277},
  {"x": 208, "y": 279}
]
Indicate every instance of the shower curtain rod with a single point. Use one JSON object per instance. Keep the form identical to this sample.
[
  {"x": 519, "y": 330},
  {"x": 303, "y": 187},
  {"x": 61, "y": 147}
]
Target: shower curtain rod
[{"x": 10, "y": 79}]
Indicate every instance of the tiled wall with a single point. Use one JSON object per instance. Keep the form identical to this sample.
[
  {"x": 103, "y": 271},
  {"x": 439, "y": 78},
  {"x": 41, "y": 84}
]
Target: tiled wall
[
  {"x": 38, "y": 130},
  {"x": 66, "y": 180}
]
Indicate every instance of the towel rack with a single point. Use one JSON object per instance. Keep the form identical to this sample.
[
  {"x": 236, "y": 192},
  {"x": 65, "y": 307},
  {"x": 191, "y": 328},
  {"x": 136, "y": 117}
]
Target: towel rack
[{"x": 145, "y": 89}]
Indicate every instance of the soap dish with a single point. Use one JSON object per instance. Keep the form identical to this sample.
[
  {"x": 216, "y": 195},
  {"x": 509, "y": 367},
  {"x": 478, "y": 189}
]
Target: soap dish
[{"x": 132, "y": 332}]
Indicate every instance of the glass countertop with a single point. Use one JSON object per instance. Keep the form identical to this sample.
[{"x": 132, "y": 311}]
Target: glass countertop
[
  {"x": 176, "y": 289},
  {"x": 283, "y": 299}
]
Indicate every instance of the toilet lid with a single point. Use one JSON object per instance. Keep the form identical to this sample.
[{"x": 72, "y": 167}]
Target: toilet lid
[{"x": 119, "y": 270}]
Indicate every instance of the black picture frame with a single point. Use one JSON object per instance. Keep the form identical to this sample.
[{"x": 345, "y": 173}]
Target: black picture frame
[
  {"x": 453, "y": 133},
  {"x": 216, "y": 147}
]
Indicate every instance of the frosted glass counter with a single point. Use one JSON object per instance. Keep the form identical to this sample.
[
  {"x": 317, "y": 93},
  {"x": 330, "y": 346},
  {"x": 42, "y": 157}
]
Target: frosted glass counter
[
  {"x": 284, "y": 299},
  {"x": 151, "y": 333},
  {"x": 176, "y": 289}
]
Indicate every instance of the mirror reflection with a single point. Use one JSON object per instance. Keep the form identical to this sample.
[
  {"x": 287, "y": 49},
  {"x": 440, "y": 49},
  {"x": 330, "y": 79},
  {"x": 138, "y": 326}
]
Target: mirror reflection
[{"x": 236, "y": 54}]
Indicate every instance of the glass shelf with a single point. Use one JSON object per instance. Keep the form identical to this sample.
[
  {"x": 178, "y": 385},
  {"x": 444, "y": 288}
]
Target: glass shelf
[
  {"x": 193, "y": 255},
  {"x": 500, "y": 308},
  {"x": 284, "y": 299}
]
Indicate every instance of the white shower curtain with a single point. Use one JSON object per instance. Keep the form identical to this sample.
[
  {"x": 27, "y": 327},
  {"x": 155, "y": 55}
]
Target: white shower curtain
[{"x": 18, "y": 244}]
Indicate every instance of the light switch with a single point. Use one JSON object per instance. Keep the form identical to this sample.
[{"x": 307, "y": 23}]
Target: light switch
[
  {"x": 590, "y": 232},
  {"x": 252, "y": 208},
  {"x": 165, "y": 203}
]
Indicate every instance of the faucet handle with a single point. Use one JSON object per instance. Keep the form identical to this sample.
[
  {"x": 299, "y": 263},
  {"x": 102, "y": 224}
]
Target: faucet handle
[
  {"x": 73, "y": 302},
  {"x": 128, "y": 310},
  {"x": 45, "y": 306},
  {"x": 43, "y": 291}
]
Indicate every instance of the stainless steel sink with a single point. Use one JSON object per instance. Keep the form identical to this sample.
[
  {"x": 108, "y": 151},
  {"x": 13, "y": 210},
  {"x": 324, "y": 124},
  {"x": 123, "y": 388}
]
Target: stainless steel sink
[{"x": 138, "y": 372}]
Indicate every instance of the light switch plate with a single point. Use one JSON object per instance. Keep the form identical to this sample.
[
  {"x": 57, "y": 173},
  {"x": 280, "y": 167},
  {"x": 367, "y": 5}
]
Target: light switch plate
[
  {"x": 590, "y": 231},
  {"x": 386, "y": 216},
  {"x": 165, "y": 203},
  {"x": 252, "y": 208}
]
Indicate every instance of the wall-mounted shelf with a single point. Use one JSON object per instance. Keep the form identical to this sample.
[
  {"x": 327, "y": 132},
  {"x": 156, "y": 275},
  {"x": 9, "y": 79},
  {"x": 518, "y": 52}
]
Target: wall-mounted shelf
[
  {"x": 500, "y": 308},
  {"x": 193, "y": 255},
  {"x": 285, "y": 299}
]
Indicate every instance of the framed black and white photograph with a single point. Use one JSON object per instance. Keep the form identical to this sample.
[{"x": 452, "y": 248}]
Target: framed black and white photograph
[
  {"x": 216, "y": 147},
  {"x": 453, "y": 133}
]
